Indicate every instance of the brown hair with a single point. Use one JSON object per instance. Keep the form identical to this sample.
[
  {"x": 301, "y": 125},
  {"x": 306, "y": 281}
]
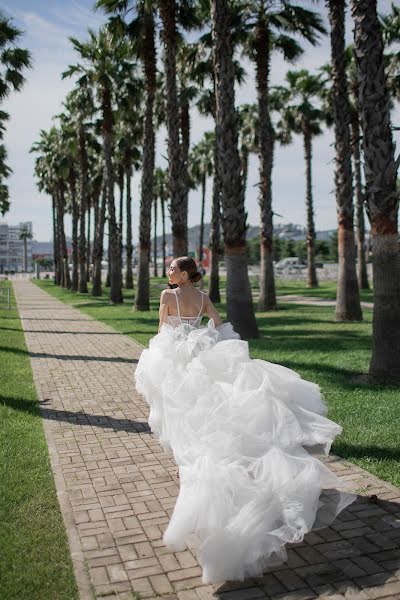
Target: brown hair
[{"x": 188, "y": 264}]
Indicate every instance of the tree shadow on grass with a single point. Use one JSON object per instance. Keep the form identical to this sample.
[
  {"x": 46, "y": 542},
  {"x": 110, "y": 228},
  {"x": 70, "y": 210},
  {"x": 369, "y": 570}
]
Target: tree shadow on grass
[
  {"x": 350, "y": 451},
  {"x": 76, "y": 418}
]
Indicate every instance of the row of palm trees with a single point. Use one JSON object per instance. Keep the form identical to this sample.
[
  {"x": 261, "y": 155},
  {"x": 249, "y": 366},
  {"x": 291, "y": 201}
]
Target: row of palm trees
[
  {"x": 13, "y": 62},
  {"x": 108, "y": 129}
]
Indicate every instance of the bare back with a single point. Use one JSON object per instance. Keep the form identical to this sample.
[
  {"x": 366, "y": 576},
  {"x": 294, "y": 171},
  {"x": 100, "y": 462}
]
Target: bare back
[{"x": 186, "y": 303}]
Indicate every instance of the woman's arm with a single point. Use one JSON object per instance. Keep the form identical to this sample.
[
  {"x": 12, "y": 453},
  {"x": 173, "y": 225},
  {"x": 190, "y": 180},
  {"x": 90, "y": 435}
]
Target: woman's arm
[
  {"x": 163, "y": 312},
  {"x": 212, "y": 312}
]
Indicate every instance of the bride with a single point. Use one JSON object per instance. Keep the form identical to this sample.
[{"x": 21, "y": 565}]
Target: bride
[{"x": 244, "y": 433}]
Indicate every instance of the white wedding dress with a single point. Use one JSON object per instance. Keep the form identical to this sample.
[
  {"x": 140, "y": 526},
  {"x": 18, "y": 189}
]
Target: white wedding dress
[{"x": 244, "y": 433}]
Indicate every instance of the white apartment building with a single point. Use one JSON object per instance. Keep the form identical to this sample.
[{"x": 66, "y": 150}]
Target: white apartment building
[{"x": 12, "y": 247}]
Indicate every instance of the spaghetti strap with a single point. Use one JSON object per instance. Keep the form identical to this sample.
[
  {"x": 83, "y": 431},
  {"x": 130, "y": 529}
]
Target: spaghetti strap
[
  {"x": 202, "y": 303},
  {"x": 177, "y": 304}
]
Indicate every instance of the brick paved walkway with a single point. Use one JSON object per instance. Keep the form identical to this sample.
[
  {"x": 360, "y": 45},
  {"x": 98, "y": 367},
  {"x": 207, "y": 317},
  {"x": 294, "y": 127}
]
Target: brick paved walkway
[{"x": 117, "y": 487}]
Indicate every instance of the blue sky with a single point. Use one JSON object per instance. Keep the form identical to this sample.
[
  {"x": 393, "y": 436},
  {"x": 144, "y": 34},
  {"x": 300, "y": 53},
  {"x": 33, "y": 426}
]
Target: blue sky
[{"x": 47, "y": 26}]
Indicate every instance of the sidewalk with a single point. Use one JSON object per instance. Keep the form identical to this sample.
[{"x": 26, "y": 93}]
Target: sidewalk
[
  {"x": 117, "y": 488},
  {"x": 314, "y": 301}
]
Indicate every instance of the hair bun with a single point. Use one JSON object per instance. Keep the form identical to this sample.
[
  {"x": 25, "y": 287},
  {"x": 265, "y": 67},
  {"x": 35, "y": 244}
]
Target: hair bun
[{"x": 195, "y": 277}]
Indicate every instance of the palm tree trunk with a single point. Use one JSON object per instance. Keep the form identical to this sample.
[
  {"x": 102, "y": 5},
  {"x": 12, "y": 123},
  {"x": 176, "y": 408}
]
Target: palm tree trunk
[
  {"x": 66, "y": 280},
  {"x": 99, "y": 241},
  {"x": 75, "y": 221},
  {"x": 121, "y": 210},
  {"x": 164, "y": 255},
  {"x": 214, "y": 240},
  {"x": 142, "y": 300},
  {"x": 177, "y": 180},
  {"x": 185, "y": 135},
  {"x": 312, "y": 281},
  {"x": 88, "y": 244},
  {"x": 267, "y": 299},
  {"x": 244, "y": 162},
  {"x": 56, "y": 244},
  {"x": 116, "y": 296},
  {"x": 362, "y": 275},
  {"x": 240, "y": 309},
  {"x": 203, "y": 205},
  {"x": 382, "y": 197},
  {"x": 129, "y": 245},
  {"x": 155, "y": 272},
  {"x": 25, "y": 255},
  {"x": 348, "y": 307},
  {"x": 83, "y": 202}
]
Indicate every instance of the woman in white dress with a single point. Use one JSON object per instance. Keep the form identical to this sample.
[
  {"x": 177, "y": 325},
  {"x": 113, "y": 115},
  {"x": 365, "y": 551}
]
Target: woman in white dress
[{"x": 244, "y": 433}]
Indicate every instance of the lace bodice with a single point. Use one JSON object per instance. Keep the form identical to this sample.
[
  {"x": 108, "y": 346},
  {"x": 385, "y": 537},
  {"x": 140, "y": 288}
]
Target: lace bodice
[{"x": 177, "y": 320}]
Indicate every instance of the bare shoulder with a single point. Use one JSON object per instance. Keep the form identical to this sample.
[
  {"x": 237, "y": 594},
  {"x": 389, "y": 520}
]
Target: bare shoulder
[{"x": 166, "y": 295}]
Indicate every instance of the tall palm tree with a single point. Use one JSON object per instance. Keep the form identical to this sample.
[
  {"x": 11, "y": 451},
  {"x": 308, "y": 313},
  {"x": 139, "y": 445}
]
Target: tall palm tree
[
  {"x": 25, "y": 234},
  {"x": 355, "y": 139},
  {"x": 171, "y": 13},
  {"x": 272, "y": 26},
  {"x": 202, "y": 64},
  {"x": 348, "y": 307},
  {"x": 202, "y": 166},
  {"x": 70, "y": 151},
  {"x": 141, "y": 30},
  {"x": 53, "y": 172},
  {"x": 129, "y": 137},
  {"x": 382, "y": 195},
  {"x": 80, "y": 103},
  {"x": 238, "y": 293},
  {"x": 106, "y": 60},
  {"x": 302, "y": 114}
]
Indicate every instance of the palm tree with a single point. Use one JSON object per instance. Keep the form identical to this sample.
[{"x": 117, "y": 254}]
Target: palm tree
[
  {"x": 202, "y": 71},
  {"x": 129, "y": 142},
  {"x": 25, "y": 234},
  {"x": 238, "y": 293},
  {"x": 348, "y": 307},
  {"x": 98, "y": 244},
  {"x": 5, "y": 172},
  {"x": 107, "y": 59},
  {"x": 355, "y": 139},
  {"x": 80, "y": 103},
  {"x": 270, "y": 26},
  {"x": 248, "y": 137},
  {"x": 141, "y": 30},
  {"x": 161, "y": 191},
  {"x": 171, "y": 12},
  {"x": 13, "y": 61},
  {"x": 302, "y": 114},
  {"x": 382, "y": 195},
  {"x": 69, "y": 145},
  {"x": 53, "y": 171},
  {"x": 201, "y": 166}
]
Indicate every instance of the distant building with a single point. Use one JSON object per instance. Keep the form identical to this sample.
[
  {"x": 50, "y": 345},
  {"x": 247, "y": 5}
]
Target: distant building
[{"x": 12, "y": 247}]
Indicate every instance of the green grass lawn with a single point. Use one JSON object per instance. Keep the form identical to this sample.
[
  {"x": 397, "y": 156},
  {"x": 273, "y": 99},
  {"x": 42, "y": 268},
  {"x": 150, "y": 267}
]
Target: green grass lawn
[
  {"x": 308, "y": 340},
  {"x": 35, "y": 559}
]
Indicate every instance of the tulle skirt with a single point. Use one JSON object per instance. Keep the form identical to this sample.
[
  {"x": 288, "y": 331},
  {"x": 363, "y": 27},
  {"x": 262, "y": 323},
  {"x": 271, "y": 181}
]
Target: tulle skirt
[{"x": 245, "y": 434}]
